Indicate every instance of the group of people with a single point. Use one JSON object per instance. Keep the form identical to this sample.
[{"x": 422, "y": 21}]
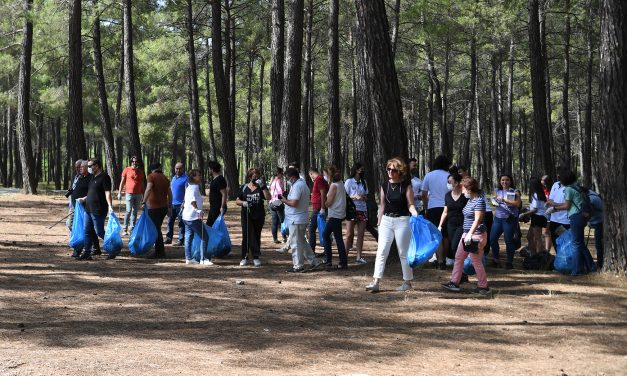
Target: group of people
[{"x": 468, "y": 218}]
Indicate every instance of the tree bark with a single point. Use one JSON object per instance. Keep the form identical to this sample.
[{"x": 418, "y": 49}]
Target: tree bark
[
  {"x": 544, "y": 159},
  {"x": 261, "y": 95},
  {"x": 396, "y": 17},
  {"x": 335, "y": 152},
  {"x": 23, "y": 106},
  {"x": 129, "y": 82},
  {"x": 586, "y": 141},
  {"x": 306, "y": 124},
  {"x": 470, "y": 108},
  {"x": 276, "y": 73},
  {"x": 105, "y": 118},
  {"x": 76, "y": 135},
  {"x": 494, "y": 158},
  {"x": 509, "y": 127},
  {"x": 249, "y": 109},
  {"x": 542, "y": 12},
  {"x": 58, "y": 161},
  {"x": 212, "y": 139},
  {"x": 438, "y": 113},
  {"x": 194, "y": 115},
  {"x": 613, "y": 141},
  {"x": 290, "y": 113},
  {"x": 566, "y": 151}
]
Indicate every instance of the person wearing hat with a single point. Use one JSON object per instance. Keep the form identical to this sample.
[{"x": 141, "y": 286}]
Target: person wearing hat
[{"x": 158, "y": 197}]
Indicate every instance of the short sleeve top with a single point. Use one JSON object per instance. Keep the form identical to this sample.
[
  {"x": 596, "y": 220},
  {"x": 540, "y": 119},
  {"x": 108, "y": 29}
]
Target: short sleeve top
[
  {"x": 472, "y": 206},
  {"x": 396, "y": 198}
]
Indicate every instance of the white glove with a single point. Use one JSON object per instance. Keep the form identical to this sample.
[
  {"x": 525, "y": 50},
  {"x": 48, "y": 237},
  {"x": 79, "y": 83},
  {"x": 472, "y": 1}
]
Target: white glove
[
  {"x": 468, "y": 239},
  {"x": 119, "y": 195},
  {"x": 245, "y": 204},
  {"x": 440, "y": 228},
  {"x": 81, "y": 200}
]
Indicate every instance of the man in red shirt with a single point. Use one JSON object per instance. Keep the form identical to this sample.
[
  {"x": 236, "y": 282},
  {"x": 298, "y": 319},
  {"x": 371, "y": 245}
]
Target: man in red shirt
[
  {"x": 318, "y": 199},
  {"x": 158, "y": 196},
  {"x": 133, "y": 183}
]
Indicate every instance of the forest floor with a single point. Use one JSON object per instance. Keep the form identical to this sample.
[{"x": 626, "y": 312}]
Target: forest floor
[{"x": 139, "y": 316}]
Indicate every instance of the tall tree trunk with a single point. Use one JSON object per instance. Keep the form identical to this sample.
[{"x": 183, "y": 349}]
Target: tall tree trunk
[
  {"x": 613, "y": 125},
  {"x": 58, "y": 160},
  {"x": 230, "y": 57},
  {"x": 587, "y": 135},
  {"x": 470, "y": 108},
  {"x": 129, "y": 81},
  {"x": 23, "y": 105},
  {"x": 40, "y": 151},
  {"x": 509, "y": 127},
  {"x": 396, "y": 17},
  {"x": 276, "y": 73},
  {"x": 306, "y": 125},
  {"x": 174, "y": 145},
  {"x": 542, "y": 12},
  {"x": 212, "y": 139},
  {"x": 194, "y": 115},
  {"x": 249, "y": 109},
  {"x": 544, "y": 159},
  {"x": 449, "y": 126},
  {"x": 566, "y": 151},
  {"x": 105, "y": 118},
  {"x": 495, "y": 120},
  {"x": 385, "y": 99},
  {"x": 119, "y": 144},
  {"x": 76, "y": 135},
  {"x": 430, "y": 124},
  {"x": 335, "y": 152},
  {"x": 290, "y": 113},
  {"x": 259, "y": 142},
  {"x": 222, "y": 97},
  {"x": 438, "y": 113}
]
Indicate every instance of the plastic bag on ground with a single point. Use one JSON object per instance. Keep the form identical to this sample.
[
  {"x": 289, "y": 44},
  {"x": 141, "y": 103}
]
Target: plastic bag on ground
[
  {"x": 214, "y": 241},
  {"x": 77, "y": 236},
  {"x": 322, "y": 224},
  {"x": 112, "y": 240},
  {"x": 469, "y": 269},
  {"x": 425, "y": 239},
  {"x": 144, "y": 235},
  {"x": 223, "y": 248},
  {"x": 565, "y": 253}
]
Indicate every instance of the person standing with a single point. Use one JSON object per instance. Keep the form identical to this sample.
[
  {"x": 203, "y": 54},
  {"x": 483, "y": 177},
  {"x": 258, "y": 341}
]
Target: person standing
[
  {"x": 397, "y": 203},
  {"x": 434, "y": 188},
  {"x": 336, "y": 204},
  {"x": 596, "y": 222},
  {"x": 357, "y": 190},
  {"x": 217, "y": 193},
  {"x": 71, "y": 195},
  {"x": 473, "y": 241},
  {"x": 538, "y": 219},
  {"x": 277, "y": 188},
  {"x": 558, "y": 219},
  {"x": 507, "y": 201},
  {"x": 133, "y": 182},
  {"x": 192, "y": 217},
  {"x": 177, "y": 187},
  {"x": 159, "y": 199},
  {"x": 416, "y": 185},
  {"x": 81, "y": 188},
  {"x": 453, "y": 216},
  {"x": 296, "y": 207},
  {"x": 318, "y": 199},
  {"x": 97, "y": 205},
  {"x": 253, "y": 216}
]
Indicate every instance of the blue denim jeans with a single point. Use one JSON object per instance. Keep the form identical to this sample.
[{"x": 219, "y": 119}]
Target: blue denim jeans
[
  {"x": 194, "y": 228},
  {"x": 313, "y": 226},
  {"x": 278, "y": 216},
  {"x": 583, "y": 261},
  {"x": 133, "y": 203},
  {"x": 334, "y": 226},
  {"x": 93, "y": 223},
  {"x": 176, "y": 211},
  {"x": 598, "y": 243},
  {"x": 505, "y": 226}
]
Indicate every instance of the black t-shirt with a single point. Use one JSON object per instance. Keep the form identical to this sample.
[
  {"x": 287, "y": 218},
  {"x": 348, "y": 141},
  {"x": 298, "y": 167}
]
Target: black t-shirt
[
  {"x": 96, "y": 202},
  {"x": 396, "y": 198},
  {"x": 81, "y": 187},
  {"x": 255, "y": 200},
  {"x": 215, "y": 197},
  {"x": 455, "y": 216}
]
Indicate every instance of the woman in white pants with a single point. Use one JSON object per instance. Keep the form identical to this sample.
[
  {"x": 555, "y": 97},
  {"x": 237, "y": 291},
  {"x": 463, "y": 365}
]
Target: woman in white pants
[{"x": 397, "y": 203}]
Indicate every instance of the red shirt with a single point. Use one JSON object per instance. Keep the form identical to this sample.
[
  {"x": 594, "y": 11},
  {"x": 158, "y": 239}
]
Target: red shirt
[
  {"x": 134, "y": 180},
  {"x": 316, "y": 198}
]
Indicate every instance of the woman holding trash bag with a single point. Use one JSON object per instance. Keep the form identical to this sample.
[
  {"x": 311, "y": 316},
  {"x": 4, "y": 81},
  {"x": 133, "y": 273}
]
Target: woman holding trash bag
[
  {"x": 506, "y": 199},
  {"x": 452, "y": 215},
  {"x": 192, "y": 217},
  {"x": 473, "y": 240},
  {"x": 574, "y": 202},
  {"x": 254, "y": 192},
  {"x": 397, "y": 203},
  {"x": 538, "y": 223},
  {"x": 336, "y": 208},
  {"x": 358, "y": 191},
  {"x": 277, "y": 187}
]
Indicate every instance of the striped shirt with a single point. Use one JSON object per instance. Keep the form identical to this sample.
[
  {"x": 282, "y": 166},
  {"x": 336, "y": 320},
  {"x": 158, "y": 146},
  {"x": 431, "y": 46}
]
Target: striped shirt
[{"x": 476, "y": 204}]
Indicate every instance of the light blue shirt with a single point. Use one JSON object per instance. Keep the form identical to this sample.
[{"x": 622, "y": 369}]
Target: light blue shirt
[{"x": 298, "y": 215}]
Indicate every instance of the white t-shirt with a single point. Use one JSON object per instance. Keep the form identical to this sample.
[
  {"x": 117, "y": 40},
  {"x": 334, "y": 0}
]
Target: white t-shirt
[
  {"x": 435, "y": 184},
  {"x": 298, "y": 215},
  {"x": 557, "y": 195},
  {"x": 192, "y": 193},
  {"x": 338, "y": 207},
  {"x": 354, "y": 189},
  {"x": 537, "y": 204}
]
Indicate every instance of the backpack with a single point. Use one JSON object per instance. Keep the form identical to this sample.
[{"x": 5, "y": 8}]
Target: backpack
[
  {"x": 586, "y": 209},
  {"x": 351, "y": 209}
]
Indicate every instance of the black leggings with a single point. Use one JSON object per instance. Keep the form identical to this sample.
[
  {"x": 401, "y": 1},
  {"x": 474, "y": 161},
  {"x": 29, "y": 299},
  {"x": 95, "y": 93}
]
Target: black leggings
[{"x": 251, "y": 236}]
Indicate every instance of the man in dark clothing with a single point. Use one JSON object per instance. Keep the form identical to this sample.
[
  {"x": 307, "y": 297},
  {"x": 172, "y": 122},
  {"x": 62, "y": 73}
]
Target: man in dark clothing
[
  {"x": 70, "y": 191},
  {"x": 217, "y": 193},
  {"x": 97, "y": 205},
  {"x": 158, "y": 196},
  {"x": 80, "y": 189}
]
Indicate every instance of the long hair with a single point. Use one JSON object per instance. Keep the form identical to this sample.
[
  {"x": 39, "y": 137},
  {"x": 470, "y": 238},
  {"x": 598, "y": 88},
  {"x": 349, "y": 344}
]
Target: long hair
[{"x": 535, "y": 187}]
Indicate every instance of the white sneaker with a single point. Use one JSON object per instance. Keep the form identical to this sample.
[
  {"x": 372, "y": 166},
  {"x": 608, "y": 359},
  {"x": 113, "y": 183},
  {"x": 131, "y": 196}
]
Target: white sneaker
[
  {"x": 450, "y": 261},
  {"x": 191, "y": 262},
  {"x": 243, "y": 262},
  {"x": 257, "y": 262},
  {"x": 207, "y": 262},
  {"x": 404, "y": 287},
  {"x": 282, "y": 250},
  {"x": 361, "y": 261},
  {"x": 433, "y": 258}
]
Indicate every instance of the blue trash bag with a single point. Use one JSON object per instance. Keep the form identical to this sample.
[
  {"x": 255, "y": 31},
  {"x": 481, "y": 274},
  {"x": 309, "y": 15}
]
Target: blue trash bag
[
  {"x": 214, "y": 241},
  {"x": 143, "y": 237},
  {"x": 425, "y": 239},
  {"x": 322, "y": 224},
  {"x": 469, "y": 269},
  {"x": 77, "y": 236},
  {"x": 285, "y": 228},
  {"x": 112, "y": 240},
  {"x": 224, "y": 247},
  {"x": 565, "y": 253}
]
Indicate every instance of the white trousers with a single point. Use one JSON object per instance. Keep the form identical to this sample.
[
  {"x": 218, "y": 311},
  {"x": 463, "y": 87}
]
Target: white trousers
[
  {"x": 300, "y": 247},
  {"x": 392, "y": 228}
]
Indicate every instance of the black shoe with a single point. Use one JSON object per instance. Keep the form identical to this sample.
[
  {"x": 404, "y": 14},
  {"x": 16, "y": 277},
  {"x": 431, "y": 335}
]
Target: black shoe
[
  {"x": 442, "y": 266},
  {"x": 464, "y": 278},
  {"x": 85, "y": 257},
  {"x": 167, "y": 241},
  {"x": 482, "y": 291},
  {"x": 495, "y": 264},
  {"x": 96, "y": 252},
  {"x": 296, "y": 270},
  {"x": 180, "y": 243},
  {"x": 451, "y": 286},
  {"x": 509, "y": 266},
  {"x": 76, "y": 254},
  {"x": 340, "y": 267},
  {"x": 112, "y": 256}
]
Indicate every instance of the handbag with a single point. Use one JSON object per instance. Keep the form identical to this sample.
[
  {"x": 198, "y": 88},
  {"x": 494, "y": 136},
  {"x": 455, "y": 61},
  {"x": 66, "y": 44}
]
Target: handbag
[{"x": 473, "y": 247}]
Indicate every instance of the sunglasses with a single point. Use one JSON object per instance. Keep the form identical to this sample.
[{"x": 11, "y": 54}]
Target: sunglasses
[
  {"x": 392, "y": 170},
  {"x": 90, "y": 165}
]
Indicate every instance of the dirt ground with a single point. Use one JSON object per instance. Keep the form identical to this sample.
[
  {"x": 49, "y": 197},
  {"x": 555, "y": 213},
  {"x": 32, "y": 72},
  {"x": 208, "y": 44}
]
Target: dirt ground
[{"x": 138, "y": 316}]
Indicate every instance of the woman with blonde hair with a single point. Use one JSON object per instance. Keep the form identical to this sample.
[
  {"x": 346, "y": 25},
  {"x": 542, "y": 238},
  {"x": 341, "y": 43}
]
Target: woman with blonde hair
[{"x": 397, "y": 204}]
